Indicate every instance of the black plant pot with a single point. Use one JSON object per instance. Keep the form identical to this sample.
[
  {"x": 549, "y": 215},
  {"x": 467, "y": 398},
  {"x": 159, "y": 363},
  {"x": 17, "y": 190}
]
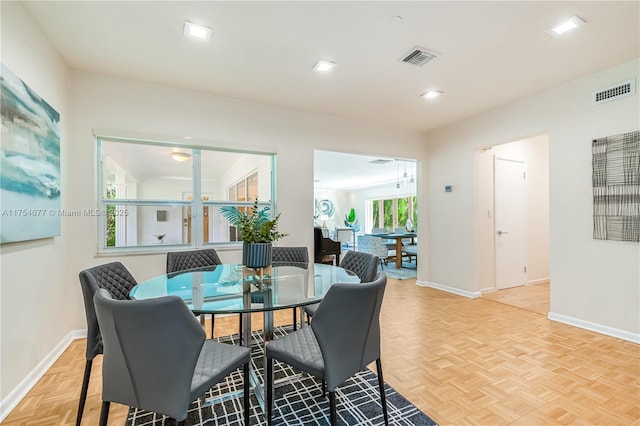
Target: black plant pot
[{"x": 256, "y": 255}]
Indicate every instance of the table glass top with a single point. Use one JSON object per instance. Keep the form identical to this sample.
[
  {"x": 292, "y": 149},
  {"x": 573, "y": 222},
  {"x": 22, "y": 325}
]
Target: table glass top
[{"x": 233, "y": 288}]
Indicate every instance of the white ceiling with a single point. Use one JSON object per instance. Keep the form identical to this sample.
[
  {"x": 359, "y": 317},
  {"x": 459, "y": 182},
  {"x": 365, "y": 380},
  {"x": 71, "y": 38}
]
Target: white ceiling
[
  {"x": 336, "y": 170},
  {"x": 490, "y": 53}
]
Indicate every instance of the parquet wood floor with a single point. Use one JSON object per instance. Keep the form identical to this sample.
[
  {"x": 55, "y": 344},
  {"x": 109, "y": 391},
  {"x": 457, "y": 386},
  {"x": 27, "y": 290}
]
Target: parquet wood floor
[
  {"x": 462, "y": 361},
  {"x": 531, "y": 297}
]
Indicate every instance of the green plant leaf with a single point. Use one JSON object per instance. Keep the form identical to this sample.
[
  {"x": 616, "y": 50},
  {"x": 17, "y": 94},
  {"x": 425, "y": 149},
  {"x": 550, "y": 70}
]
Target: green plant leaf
[{"x": 255, "y": 224}]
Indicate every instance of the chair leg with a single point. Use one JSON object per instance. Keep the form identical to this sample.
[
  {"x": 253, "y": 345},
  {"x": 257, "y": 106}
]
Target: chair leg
[
  {"x": 269, "y": 391},
  {"x": 383, "y": 396},
  {"x": 83, "y": 391},
  {"x": 104, "y": 413},
  {"x": 241, "y": 327},
  {"x": 246, "y": 385},
  {"x": 332, "y": 408},
  {"x": 213, "y": 317},
  {"x": 324, "y": 388},
  {"x": 295, "y": 319}
]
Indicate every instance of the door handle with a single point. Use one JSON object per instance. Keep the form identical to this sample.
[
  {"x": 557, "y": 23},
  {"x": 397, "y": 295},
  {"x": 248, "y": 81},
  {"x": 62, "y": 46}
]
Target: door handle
[{"x": 501, "y": 232}]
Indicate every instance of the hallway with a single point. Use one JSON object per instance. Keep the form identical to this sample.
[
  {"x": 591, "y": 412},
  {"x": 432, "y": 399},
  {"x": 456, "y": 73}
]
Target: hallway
[{"x": 533, "y": 298}]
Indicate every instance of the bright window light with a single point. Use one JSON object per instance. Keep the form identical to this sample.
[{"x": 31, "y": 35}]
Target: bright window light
[
  {"x": 431, "y": 94},
  {"x": 197, "y": 31},
  {"x": 324, "y": 66},
  {"x": 565, "y": 26}
]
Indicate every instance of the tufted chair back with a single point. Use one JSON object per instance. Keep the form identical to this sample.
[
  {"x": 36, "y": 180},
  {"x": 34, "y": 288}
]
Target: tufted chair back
[
  {"x": 184, "y": 260},
  {"x": 115, "y": 279},
  {"x": 283, "y": 256},
  {"x": 364, "y": 265}
]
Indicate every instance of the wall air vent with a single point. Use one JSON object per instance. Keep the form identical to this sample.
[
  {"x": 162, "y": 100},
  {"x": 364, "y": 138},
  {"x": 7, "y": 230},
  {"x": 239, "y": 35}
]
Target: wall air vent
[
  {"x": 418, "y": 56},
  {"x": 617, "y": 91},
  {"x": 380, "y": 161}
]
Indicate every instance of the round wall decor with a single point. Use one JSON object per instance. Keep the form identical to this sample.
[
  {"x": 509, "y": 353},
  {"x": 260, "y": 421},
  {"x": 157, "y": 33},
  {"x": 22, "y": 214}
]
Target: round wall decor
[{"x": 325, "y": 207}]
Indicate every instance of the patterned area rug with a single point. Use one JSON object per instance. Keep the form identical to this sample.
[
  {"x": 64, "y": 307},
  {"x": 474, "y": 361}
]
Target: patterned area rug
[
  {"x": 299, "y": 402},
  {"x": 408, "y": 271}
]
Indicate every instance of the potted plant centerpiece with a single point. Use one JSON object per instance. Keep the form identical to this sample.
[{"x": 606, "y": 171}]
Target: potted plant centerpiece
[{"x": 258, "y": 229}]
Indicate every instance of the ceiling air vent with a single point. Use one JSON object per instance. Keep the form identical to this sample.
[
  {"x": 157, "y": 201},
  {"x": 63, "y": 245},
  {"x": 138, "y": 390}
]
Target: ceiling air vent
[
  {"x": 614, "y": 92},
  {"x": 418, "y": 56}
]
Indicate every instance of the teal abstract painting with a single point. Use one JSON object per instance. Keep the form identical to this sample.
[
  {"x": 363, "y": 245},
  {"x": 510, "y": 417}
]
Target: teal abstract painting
[{"x": 29, "y": 163}]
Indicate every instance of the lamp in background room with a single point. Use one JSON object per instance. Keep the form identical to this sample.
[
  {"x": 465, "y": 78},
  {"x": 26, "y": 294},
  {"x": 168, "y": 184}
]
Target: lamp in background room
[{"x": 324, "y": 218}]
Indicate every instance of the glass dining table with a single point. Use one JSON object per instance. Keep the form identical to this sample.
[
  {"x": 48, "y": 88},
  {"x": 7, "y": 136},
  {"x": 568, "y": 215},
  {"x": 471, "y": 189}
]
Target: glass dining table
[{"x": 234, "y": 288}]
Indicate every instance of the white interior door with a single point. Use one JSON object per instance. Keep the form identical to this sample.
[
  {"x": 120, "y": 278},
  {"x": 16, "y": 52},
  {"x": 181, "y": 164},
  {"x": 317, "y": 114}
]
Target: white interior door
[{"x": 510, "y": 223}]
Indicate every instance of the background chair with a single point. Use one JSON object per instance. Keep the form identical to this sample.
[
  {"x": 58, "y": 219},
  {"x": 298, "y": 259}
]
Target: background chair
[
  {"x": 344, "y": 337},
  {"x": 116, "y": 279},
  {"x": 178, "y": 261},
  {"x": 390, "y": 243},
  {"x": 156, "y": 357},
  {"x": 375, "y": 246},
  {"x": 364, "y": 265},
  {"x": 410, "y": 251},
  {"x": 283, "y": 256}
]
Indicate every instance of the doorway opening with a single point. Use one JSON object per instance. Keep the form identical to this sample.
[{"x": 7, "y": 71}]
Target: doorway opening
[
  {"x": 361, "y": 197},
  {"x": 512, "y": 223}
]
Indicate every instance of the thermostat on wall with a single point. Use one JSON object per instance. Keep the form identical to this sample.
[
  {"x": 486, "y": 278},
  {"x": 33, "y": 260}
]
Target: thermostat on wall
[{"x": 448, "y": 188}]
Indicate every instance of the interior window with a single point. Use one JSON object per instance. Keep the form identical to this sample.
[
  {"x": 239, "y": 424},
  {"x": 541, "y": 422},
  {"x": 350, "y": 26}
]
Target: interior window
[{"x": 154, "y": 194}]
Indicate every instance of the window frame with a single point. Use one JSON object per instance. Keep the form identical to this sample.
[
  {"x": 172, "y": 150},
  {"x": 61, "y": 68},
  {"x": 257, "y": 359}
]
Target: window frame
[
  {"x": 412, "y": 210},
  {"x": 196, "y": 203}
]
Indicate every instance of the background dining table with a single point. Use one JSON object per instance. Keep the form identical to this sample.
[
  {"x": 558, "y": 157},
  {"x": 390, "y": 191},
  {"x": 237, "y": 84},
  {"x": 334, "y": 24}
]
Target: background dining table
[{"x": 398, "y": 237}]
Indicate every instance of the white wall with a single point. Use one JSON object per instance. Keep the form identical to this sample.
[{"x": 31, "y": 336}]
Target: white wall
[
  {"x": 37, "y": 284},
  {"x": 165, "y": 113},
  {"x": 595, "y": 284},
  {"x": 535, "y": 152},
  {"x": 147, "y": 225}
]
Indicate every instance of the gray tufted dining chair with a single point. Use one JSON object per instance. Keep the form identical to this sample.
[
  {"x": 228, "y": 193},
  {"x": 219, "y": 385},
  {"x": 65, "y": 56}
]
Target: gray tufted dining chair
[
  {"x": 157, "y": 358},
  {"x": 344, "y": 337},
  {"x": 283, "y": 256},
  {"x": 116, "y": 279},
  {"x": 183, "y": 260},
  {"x": 178, "y": 261},
  {"x": 364, "y": 265}
]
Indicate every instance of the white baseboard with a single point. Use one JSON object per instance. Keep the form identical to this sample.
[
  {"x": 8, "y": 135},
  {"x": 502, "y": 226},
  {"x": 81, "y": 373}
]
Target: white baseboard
[
  {"x": 20, "y": 391},
  {"x": 538, "y": 281},
  {"x": 598, "y": 328},
  {"x": 465, "y": 293}
]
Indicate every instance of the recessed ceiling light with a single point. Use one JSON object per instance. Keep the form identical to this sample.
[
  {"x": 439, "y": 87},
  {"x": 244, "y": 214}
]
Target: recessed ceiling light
[
  {"x": 197, "y": 31},
  {"x": 431, "y": 94},
  {"x": 324, "y": 66},
  {"x": 565, "y": 26},
  {"x": 180, "y": 156}
]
